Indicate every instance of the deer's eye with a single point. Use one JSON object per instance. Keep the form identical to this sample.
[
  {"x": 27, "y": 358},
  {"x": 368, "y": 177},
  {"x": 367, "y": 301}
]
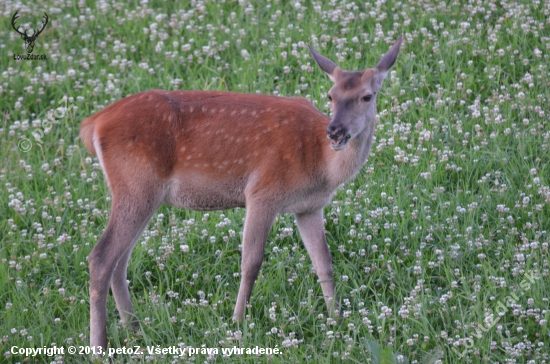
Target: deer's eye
[
  {"x": 367, "y": 98},
  {"x": 329, "y": 97}
]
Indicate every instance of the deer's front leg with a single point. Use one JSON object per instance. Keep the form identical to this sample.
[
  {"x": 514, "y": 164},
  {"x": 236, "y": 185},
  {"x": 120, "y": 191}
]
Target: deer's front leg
[
  {"x": 258, "y": 222},
  {"x": 312, "y": 231}
]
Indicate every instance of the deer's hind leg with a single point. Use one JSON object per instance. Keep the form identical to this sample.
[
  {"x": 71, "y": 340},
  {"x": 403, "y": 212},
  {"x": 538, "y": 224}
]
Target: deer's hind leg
[{"x": 136, "y": 195}]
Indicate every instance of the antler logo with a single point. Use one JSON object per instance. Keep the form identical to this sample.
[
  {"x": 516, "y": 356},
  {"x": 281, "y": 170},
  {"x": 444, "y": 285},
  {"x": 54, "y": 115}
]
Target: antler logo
[{"x": 29, "y": 40}]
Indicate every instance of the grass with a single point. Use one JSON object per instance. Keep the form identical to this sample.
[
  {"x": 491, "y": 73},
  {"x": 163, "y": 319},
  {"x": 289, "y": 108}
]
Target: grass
[{"x": 433, "y": 244}]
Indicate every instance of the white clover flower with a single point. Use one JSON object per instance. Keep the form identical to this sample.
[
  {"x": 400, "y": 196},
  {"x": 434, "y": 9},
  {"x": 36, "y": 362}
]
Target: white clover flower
[{"x": 245, "y": 54}]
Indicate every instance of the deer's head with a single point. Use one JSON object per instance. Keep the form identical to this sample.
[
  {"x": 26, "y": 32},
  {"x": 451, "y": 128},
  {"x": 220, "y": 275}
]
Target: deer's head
[{"x": 353, "y": 95}]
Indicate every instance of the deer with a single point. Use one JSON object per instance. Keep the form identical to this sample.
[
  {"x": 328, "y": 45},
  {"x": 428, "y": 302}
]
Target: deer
[
  {"x": 29, "y": 39},
  {"x": 216, "y": 150}
]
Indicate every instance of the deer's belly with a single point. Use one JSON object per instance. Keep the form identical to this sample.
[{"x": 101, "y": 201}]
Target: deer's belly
[{"x": 205, "y": 195}]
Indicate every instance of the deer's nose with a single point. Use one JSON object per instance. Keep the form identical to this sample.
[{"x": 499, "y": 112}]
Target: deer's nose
[{"x": 336, "y": 131}]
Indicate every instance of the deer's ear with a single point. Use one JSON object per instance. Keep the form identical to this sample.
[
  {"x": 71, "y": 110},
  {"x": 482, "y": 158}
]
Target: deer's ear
[
  {"x": 329, "y": 67},
  {"x": 386, "y": 62}
]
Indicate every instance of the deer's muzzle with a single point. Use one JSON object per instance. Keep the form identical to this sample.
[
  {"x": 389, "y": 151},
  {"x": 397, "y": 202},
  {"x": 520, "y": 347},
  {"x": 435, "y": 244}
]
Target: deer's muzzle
[{"x": 338, "y": 135}]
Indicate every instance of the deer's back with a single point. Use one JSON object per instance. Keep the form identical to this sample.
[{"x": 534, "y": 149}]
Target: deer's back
[{"x": 210, "y": 146}]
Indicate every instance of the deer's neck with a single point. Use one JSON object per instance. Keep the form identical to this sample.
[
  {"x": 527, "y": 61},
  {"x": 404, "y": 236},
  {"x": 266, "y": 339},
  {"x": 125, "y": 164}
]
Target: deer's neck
[{"x": 345, "y": 164}]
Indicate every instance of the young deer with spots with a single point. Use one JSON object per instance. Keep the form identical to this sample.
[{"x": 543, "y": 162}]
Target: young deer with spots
[{"x": 207, "y": 150}]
